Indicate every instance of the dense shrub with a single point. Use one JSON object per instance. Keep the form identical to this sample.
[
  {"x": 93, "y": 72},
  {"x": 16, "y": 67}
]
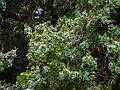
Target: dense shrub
[{"x": 69, "y": 44}]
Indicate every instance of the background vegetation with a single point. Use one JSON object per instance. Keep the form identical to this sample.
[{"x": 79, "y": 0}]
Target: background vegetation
[{"x": 59, "y": 44}]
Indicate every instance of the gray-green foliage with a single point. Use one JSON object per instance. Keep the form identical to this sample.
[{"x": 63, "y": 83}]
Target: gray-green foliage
[
  {"x": 56, "y": 58},
  {"x": 59, "y": 56},
  {"x": 6, "y": 59}
]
